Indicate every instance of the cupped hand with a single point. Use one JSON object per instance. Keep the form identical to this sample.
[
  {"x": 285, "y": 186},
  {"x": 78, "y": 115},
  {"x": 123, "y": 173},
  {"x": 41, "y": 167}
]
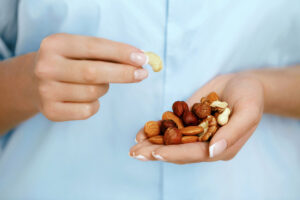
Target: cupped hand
[
  {"x": 73, "y": 71},
  {"x": 245, "y": 96}
]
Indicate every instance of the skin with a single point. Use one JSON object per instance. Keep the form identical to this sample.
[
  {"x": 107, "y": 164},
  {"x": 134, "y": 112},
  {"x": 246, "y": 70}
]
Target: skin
[
  {"x": 65, "y": 78},
  {"x": 249, "y": 95}
]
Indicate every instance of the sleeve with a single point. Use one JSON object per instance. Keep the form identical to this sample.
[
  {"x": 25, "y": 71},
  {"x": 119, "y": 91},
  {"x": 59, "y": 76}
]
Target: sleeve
[{"x": 8, "y": 27}]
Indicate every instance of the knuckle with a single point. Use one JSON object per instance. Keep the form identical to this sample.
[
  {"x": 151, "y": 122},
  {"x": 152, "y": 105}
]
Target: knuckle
[
  {"x": 49, "y": 111},
  {"x": 42, "y": 70},
  {"x": 89, "y": 74},
  {"x": 92, "y": 91},
  {"x": 87, "y": 111},
  {"x": 51, "y": 41}
]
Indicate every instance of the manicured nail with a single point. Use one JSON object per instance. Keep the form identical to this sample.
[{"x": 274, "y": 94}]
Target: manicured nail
[
  {"x": 138, "y": 58},
  {"x": 135, "y": 140},
  {"x": 140, "y": 74},
  {"x": 217, "y": 148},
  {"x": 141, "y": 157},
  {"x": 157, "y": 157}
]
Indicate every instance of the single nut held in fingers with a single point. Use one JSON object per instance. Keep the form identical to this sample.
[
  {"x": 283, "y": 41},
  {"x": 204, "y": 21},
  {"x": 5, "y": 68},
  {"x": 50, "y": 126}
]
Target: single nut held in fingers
[
  {"x": 223, "y": 117},
  {"x": 191, "y": 130},
  {"x": 189, "y": 139},
  {"x": 172, "y": 136},
  {"x": 165, "y": 124},
  {"x": 154, "y": 61},
  {"x": 179, "y": 107},
  {"x": 168, "y": 115},
  {"x": 159, "y": 139},
  {"x": 152, "y": 128},
  {"x": 202, "y": 110},
  {"x": 190, "y": 119}
]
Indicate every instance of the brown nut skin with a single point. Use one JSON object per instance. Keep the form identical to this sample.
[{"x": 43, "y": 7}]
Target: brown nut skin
[
  {"x": 211, "y": 97},
  {"x": 171, "y": 116},
  {"x": 202, "y": 110},
  {"x": 159, "y": 139},
  {"x": 189, "y": 139},
  {"x": 172, "y": 136},
  {"x": 191, "y": 130},
  {"x": 179, "y": 107},
  {"x": 211, "y": 130},
  {"x": 165, "y": 124},
  {"x": 189, "y": 119},
  {"x": 152, "y": 128}
]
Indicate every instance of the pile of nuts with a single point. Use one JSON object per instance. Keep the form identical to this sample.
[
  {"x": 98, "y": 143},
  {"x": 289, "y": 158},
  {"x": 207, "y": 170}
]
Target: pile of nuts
[{"x": 186, "y": 126}]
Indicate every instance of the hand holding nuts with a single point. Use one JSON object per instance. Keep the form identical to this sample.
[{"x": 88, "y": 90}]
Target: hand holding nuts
[{"x": 184, "y": 126}]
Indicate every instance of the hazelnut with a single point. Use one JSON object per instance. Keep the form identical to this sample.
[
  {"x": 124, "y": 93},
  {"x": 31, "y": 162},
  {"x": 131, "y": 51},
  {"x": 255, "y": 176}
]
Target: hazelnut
[
  {"x": 202, "y": 110},
  {"x": 190, "y": 119},
  {"x": 172, "y": 136},
  {"x": 165, "y": 124},
  {"x": 179, "y": 107}
]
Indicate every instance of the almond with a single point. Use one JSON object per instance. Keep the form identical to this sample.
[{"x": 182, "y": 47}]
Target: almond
[
  {"x": 159, "y": 139},
  {"x": 152, "y": 128},
  {"x": 191, "y": 130},
  {"x": 189, "y": 139}
]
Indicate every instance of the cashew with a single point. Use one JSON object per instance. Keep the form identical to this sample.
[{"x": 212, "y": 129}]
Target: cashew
[
  {"x": 155, "y": 61},
  {"x": 204, "y": 125},
  {"x": 223, "y": 117},
  {"x": 219, "y": 104}
]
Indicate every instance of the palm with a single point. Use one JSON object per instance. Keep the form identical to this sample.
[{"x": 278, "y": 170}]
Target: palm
[{"x": 245, "y": 97}]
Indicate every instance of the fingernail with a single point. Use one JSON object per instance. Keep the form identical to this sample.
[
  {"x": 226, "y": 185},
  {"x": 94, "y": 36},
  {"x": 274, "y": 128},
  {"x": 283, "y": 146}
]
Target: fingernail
[
  {"x": 138, "y": 58},
  {"x": 217, "y": 148},
  {"x": 140, "y": 74},
  {"x": 141, "y": 157},
  {"x": 156, "y": 156},
  {"x": 135, "y": 140}
]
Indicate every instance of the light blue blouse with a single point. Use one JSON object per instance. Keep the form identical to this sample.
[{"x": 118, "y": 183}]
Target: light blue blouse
[{"x": 198, "y": 40}]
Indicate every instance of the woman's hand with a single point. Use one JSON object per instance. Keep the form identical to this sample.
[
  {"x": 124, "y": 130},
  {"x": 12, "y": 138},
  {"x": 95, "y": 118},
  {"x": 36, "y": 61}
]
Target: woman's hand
[
  {"x": 72, "y": 72},
  {"x": 245, "y": 96}
]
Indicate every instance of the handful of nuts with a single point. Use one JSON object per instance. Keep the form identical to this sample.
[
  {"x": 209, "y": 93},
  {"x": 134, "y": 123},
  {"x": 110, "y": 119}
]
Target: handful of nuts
[{"x": 186, "y": 126}]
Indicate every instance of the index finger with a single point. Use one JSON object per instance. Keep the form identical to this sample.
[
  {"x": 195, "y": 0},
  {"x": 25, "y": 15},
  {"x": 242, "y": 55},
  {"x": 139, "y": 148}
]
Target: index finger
[{"x": 85, "y": 47}]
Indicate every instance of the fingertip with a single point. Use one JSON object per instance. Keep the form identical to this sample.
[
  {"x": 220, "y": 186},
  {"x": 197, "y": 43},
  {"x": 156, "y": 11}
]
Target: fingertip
[
  {"x": 157, "y": 156},
  {"x": 216, "y": 148}
]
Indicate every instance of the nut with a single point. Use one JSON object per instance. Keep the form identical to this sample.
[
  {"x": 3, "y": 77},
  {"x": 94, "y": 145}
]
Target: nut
[
  {"x": 165, "y": 124},
  {"x": 190, "y": 119},
  {"x": 223, "y": 117},
  {"x": 155, "y": 61},
  {"x": 172, "y": 136},
  {"x": 191, "y": 130},
  {"x": 152, "y": 128},
  {"x": 179, "y": 107},
  {"x": 210, "y": 128},
  {"x": 159, "y": 139},
  {"x": 189, "y": 139},
  {"x": 202, "y": 110},
  {"x": 212, "y": 97},
  {"x": 171, "y": 116},
  {"x": 219, "y": 106}
]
